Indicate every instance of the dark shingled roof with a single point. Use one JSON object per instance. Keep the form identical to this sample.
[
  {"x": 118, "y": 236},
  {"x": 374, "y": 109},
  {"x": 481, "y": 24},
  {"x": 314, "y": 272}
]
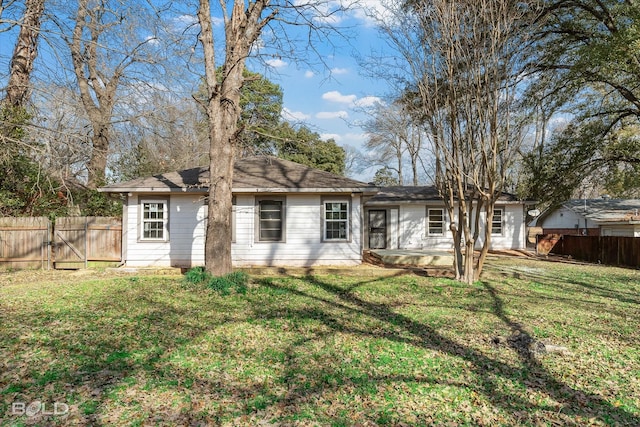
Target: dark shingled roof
[
  {"x": 418, "y": 194},
  {"x": 251, "y": 173}
]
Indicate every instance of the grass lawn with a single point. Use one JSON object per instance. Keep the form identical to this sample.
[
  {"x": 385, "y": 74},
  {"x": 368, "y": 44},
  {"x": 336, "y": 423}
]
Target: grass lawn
[{"x": 323, "y": 350}]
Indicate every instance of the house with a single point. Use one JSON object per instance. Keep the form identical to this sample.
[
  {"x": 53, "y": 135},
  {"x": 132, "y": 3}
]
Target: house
[
  {"x": 416, "y": 218},
  {"x": 284, "y": 213},
  {"x": 287, "y": 214},
  {"x": 592, "y": 217}
]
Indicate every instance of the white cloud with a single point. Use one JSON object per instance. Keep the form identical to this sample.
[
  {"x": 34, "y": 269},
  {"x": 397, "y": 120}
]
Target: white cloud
[
  {"x": 368, "y": 101},
  {"x": 371, "y": 12},
  {"x": 339, "y": 71},
  {"x": 309, "y": 74},
  {"x": 152, "y": 40},
  {"x": 335, "y": 96},
  {"x": 295, "y": 116},
  {"x": 185, "y": 21},
  {"x": 327, "y": 136},
  {"x": 328, "y": 18},
  {"x": 277, "y": 63},
  {"x": 330, "y": 12},
  {"x": 355, "y": 139},
  {"x": 332, "y": 115}
]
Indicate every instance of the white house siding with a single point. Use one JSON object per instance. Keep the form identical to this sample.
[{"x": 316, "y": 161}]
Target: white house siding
[
  {"x": 394, "y": 229},
  {"x": 185, "y": 246},
  {"x": 303, "y": 245},
  {"x": 187, "y": 226},
  {"x": 413, "y": 229},
  {"x": 564, "y": 218},
  {"x": 513, "y": 229}
]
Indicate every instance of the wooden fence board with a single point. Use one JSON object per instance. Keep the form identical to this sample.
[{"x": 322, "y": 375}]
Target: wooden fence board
[
  {"x": 80, "y": 240},
  {"x": 104, "y": 239},
  {"x": 24, "y": 242},
  {"x": 610, "y": 250},
  {"x": 72, "y": 242}
]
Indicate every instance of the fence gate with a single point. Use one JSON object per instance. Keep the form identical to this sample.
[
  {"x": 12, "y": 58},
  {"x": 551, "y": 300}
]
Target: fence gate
[
  {"x": 80, "y": 240},
  {"x": 24, "y": 243}
]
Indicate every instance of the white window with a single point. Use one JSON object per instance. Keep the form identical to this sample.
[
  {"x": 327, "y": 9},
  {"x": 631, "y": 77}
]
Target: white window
[
  {"x": 336, "y": 220},
  {"x": 435, "y": 222},
  {"x": 270, "y": 220},
  {"x": 496, "y": 222},
  {"x": 154, "y": 220}
]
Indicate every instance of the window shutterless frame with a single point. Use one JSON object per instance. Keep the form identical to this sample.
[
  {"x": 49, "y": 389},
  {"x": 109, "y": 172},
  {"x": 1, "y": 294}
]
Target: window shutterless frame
[
  {"x": 435, "y": 222},
  {"x": 154, "y": 220},
  {"x": 336, "y": 220},
  {"x": 497, "y": 227},
  {"x": 270, "y": 219}
]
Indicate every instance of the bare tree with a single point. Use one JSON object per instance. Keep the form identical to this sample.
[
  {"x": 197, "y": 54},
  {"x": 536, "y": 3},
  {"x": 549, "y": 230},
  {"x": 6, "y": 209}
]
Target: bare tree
[
  {"x": 107, "y": 51},
  {"x": 170, "y": 139},
  {"x": 463, "y": 64},
  {"x": 245, "y": 26},
  {"x": 386, "y": 136}
]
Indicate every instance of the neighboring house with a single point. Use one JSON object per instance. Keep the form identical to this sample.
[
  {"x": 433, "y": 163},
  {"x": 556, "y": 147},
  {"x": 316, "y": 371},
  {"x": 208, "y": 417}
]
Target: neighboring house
[
  {"x": 287, "y": 214},
  {"x": 416, "y": 218},
  {"x": 592, "y": 217}
]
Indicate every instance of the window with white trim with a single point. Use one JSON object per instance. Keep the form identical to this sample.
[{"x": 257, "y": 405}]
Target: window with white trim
[
  {"x": 496, "y": 222},
  {"x": 435, "y": 222},
  {"x": 270, "y": 219},
  {"x": 336, "y": 220},
  {"x": 154, "y": 220}
]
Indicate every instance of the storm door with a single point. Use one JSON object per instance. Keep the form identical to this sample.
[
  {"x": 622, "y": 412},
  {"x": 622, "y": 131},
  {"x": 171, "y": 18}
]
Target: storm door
[{"x": 377, "y": 229}]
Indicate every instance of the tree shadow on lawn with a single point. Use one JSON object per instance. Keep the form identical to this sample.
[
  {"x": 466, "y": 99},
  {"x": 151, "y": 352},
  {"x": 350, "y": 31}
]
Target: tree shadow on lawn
[
  {"x": 531, "y": 374},
  {"x": 627, "y": 297},
  {"x": 88, "y": 355},
  {"x": 105, "y": 357}
]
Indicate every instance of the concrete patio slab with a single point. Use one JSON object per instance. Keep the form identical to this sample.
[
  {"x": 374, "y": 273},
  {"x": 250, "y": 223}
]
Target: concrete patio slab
[{"x": 418, "y": 258}]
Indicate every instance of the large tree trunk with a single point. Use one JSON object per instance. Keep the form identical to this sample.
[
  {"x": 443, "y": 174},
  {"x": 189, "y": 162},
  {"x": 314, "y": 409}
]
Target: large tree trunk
[
  {"x": 98, "y": 161},
  {"x": 24, "y": 54},
  {"x": 219, "y": 234},
  {"x": 242, "y": 29}
]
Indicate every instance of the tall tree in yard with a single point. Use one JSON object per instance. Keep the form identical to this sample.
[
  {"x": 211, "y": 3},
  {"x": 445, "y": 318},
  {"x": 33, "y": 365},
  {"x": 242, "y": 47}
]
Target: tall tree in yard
[
  {"x": 19, "y": 183},
  {"x": 462, "y": 63},
  {"x": 24, "y": 54},
  {"x": 13, "y": 105},
  {"x": 108, "y": 48},
  {"x": 244, "y": 25},
  {"x": 392, "y": 132}
]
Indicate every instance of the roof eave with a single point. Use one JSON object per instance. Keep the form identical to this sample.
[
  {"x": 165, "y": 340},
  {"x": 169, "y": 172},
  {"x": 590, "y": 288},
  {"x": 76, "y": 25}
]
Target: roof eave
[
  {"x": 620, "y": 222},
  {"x": 364, "y": 190},
  {"x": 152, "y": 190}
]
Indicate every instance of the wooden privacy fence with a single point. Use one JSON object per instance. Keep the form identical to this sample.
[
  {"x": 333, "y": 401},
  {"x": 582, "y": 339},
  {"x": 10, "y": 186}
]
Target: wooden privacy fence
[
  {"x": 24, "y": 242},
  {"x": 610, "y": 250},
  {"x": 79, "y": 240},
  {"x": 72, "y": 242}
]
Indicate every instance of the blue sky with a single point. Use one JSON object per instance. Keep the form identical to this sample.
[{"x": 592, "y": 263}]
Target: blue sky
[{"x": 331, "y": 101}]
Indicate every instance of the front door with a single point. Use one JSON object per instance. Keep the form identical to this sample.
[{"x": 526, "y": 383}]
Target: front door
[{"x": 377, "y": 229}]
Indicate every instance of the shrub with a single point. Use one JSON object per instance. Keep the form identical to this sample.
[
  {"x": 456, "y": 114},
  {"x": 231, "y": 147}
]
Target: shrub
[
  {"x": 196, "y": 275},
  {"x": 236, "y": 281},
  {"x": 224, "y": 284}
]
